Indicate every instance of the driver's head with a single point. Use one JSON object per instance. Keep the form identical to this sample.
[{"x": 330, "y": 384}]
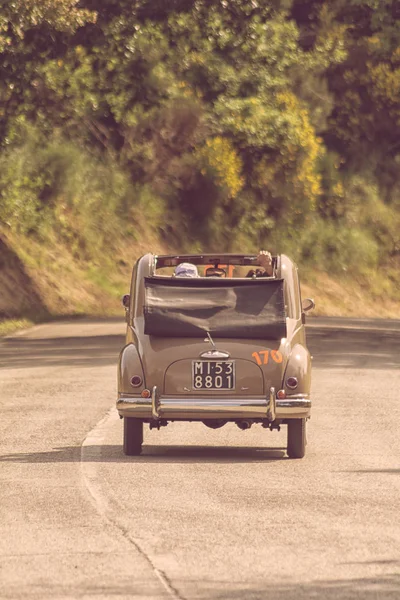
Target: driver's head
[{"x": 186, "y": 270}]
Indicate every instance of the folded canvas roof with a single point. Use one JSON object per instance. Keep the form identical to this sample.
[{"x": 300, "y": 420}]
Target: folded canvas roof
[{"x": 226, "y": 308}]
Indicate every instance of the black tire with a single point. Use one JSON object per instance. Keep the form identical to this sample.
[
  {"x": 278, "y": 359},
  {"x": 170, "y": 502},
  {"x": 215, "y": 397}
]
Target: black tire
[
  {"x": 133, "y": 436},
  {"x": 296, "y": 438}
]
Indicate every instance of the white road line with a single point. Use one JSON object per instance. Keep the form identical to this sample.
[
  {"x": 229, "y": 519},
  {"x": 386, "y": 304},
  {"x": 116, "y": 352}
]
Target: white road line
[{"x": 90, "y": 456}]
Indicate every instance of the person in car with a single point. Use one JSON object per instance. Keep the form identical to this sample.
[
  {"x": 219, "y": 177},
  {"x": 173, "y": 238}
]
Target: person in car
[
  {"x": 264, "y": 259},
  {"x": 186, "y": 270}
]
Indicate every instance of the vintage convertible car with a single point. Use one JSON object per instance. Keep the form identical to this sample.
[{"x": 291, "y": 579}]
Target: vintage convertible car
[{"x": 220, "y": 349}]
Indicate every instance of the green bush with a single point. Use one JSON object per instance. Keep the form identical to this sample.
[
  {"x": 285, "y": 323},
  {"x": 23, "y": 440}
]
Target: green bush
[
  {"x": 368, "y": 211},
  {"x": 54, "y": 190},
  {"x": 336, "y": 247},
  {"x": 21, "y": 181}
]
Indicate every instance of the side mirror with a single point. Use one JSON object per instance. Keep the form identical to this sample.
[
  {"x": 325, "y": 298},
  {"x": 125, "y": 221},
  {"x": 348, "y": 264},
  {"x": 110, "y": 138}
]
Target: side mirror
[
  {"x": 307, "y": 304},
  {"x": 126, "y": 300}
]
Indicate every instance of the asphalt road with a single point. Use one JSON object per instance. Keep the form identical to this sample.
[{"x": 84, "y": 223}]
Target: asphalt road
[{"x": 202, "y": 514}]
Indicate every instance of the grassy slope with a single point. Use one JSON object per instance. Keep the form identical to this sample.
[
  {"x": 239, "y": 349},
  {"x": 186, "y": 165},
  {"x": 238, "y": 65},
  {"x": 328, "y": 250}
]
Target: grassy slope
[
  {"x": 40, "y": 282},
  {"x": 348, "y": 297},
  {"x": 67, "y": 286}
]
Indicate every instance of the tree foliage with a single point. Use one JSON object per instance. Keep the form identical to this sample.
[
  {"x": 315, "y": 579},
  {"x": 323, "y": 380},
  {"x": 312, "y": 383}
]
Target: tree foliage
[{"x": 250, "y": 116}]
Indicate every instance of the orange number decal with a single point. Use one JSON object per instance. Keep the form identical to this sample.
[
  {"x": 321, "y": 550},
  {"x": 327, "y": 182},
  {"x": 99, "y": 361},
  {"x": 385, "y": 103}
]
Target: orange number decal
[
  {"x": 257, "y": 357},
  {"x": 276, "y": 356}
]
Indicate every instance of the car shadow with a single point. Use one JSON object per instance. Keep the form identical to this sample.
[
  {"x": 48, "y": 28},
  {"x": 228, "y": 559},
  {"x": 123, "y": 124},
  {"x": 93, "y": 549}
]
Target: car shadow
[
  {"x": 209, "y": 454},
  {"x": 150, "y": 454}
]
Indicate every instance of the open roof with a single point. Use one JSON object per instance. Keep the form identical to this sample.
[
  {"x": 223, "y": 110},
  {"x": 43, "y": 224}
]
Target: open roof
[{"x": 171, "y": 260}]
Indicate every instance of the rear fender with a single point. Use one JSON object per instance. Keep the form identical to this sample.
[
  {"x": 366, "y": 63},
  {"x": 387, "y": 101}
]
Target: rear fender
[
  {"x": 299, "y": 366},
  {"x": 128, "y": 366}
]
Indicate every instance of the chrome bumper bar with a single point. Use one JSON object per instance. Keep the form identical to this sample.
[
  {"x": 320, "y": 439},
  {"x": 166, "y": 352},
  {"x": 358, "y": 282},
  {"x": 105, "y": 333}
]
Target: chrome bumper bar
[{"x": 167, "y": 407}]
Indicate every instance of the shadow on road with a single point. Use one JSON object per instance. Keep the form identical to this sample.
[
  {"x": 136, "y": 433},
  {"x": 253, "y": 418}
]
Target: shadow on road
[
  {"x": 386, "y": 587},
  {"x": 331, "y": 348},
  {"x": 373, "y": 562},
  {"x": 17, "y": 353},
  {"x": 209, "y": 454},
  {"x": 355, "y": 349},
  {"x": 389, "y": 471},
  {"x": 151, "y": 454}
]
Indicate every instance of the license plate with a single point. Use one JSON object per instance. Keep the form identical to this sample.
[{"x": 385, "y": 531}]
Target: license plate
[{"x": 212, "y": 375}]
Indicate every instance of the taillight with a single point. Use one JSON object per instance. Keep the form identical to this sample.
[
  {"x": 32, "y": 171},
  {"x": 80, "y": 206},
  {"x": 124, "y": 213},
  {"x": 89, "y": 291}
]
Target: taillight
[
  {"x": 281, "y": 394},
  {"x": 292, "y": 382},
  {"x": 145, "y": 393},
  {"x": 136, "y": 380}
]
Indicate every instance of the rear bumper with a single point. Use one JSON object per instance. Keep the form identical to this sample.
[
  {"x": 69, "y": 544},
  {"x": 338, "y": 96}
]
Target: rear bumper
[{"x": 201, "y": 408}]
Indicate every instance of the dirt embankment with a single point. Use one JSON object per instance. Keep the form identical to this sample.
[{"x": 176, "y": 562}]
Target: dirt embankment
[
  {"x": 41, "y": 281},
  {"x": 38, "y": 283},
  {"x": 19, "y": 295}
]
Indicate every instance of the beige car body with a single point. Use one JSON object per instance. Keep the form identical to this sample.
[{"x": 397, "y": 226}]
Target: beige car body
[{"x": 265, "y": 370}]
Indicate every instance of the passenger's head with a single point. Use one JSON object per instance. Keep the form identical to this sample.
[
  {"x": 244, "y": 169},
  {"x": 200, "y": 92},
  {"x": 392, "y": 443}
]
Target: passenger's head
[{"x": 186, "y": 270}]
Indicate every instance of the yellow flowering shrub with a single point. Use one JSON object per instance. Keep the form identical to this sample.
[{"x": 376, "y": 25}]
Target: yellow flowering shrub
[
  {"x": 218, "y": 158},
  {"x": 291, "y": 176}
]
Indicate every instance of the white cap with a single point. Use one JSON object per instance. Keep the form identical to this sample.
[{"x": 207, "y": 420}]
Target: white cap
[{"x": 186, "y": 270}]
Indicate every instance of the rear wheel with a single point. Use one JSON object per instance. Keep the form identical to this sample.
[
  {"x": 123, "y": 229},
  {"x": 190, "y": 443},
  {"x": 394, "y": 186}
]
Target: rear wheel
[
  {"x": 133, "y": 436},
  {"x": 296, "y": 438}
]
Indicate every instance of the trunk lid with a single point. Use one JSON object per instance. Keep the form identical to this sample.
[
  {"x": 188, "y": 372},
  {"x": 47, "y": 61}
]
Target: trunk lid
[{"x": 185, "y": 366}]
